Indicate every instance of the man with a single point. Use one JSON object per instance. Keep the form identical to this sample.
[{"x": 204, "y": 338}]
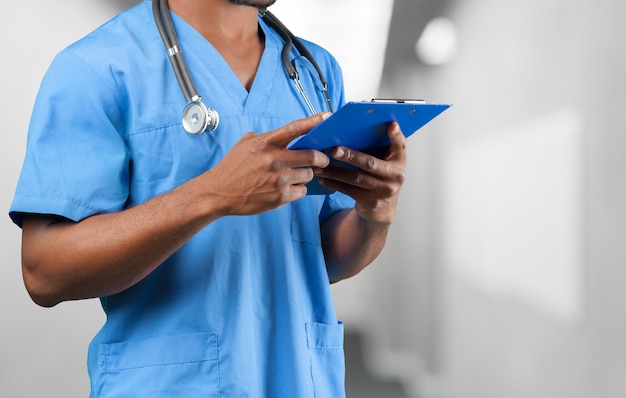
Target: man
[{"x": 211, "y": 262}]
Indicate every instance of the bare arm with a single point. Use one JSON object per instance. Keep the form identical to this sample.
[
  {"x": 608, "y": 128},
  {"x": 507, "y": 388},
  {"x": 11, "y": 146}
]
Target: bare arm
[
  {"x": 107, "y": 253},
  {"x": 352, "y": 239}
]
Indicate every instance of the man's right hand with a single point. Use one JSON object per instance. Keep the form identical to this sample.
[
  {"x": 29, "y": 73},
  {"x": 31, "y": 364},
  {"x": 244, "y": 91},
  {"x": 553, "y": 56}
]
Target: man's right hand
[
  {"x": 107, "y": 253},
  {"x": 260, "y": 173}
]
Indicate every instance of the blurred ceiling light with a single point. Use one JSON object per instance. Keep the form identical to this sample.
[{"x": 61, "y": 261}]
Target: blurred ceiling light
[{"x": 438, "y": 43}]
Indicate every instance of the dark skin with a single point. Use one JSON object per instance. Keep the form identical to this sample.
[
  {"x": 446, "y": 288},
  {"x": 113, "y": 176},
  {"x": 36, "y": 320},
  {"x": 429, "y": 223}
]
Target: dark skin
[
  {"x": 108, "y": 253},
  {"x": 239, "y": 44}
]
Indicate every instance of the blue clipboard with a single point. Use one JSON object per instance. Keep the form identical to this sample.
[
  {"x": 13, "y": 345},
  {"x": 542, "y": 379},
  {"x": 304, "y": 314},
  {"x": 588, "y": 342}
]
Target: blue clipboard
[{"x": 362, "y": 126}]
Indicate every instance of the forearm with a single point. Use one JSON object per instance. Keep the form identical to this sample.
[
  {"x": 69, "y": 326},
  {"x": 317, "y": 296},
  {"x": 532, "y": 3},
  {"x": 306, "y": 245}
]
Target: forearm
[
  {"x": 108, "y": 253},
  {"x": 352, "y": 239},
  {"x": 351, "y": 243}
]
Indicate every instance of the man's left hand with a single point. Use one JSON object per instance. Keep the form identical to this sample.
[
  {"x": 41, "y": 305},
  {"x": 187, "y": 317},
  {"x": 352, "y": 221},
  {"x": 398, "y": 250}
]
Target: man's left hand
[{"x": 376, "y": 184}]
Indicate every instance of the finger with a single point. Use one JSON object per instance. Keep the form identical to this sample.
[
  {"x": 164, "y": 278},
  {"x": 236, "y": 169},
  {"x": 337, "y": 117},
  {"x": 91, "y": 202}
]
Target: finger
[
  {"x": 296, "y": 184},
  {"x": 307, "y": 158},
  {"x": 287, "y": 133},
  {"x": 300, "y": 159},
  {"x": 299, "y": 176},
  {"x": 297, "y": 191},
  {"x": 363, "y": 161},
  {"x": 339, "y": 176},
  {"x": 345, "y": 188},
  {"x": 397, "y": 149}
]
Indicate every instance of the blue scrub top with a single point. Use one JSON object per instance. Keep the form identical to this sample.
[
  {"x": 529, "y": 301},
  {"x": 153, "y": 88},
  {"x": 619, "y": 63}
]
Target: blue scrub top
[{"x": 244, "y": 308}]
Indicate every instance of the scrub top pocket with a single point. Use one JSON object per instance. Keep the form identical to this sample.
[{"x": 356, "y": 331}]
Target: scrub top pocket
[
  {"x": 325, "y": 343},
  {"x": 173, "y": 366}
]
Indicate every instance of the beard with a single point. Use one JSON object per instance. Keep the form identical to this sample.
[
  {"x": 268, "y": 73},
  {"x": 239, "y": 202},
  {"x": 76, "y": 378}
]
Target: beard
[{"x": 253, "y": 3}]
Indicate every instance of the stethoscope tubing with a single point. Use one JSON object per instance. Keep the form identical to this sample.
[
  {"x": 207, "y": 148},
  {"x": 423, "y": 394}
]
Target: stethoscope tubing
[
  {"x": 209, "y": 118},
  {"x": 167, "y": 31},
  {"x": 290, "y": 40}
]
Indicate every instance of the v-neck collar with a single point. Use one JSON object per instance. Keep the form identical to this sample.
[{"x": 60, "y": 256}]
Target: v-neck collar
[{"x": 204, "y": 61}]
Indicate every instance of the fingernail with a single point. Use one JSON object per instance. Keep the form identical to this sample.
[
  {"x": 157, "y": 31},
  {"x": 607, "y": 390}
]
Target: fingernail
[{"x": 339, "y": 152}]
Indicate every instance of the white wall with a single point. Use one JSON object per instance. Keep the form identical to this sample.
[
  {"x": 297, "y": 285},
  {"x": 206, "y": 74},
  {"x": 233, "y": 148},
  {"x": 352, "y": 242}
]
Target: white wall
[
  {"x": 527, "y": 215},
  {"x": 354, "y": 31}
]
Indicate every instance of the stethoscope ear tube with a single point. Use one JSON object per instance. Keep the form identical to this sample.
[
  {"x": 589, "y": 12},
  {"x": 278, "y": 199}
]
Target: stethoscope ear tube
[
  {"x": 196, "y": 117},
  {"x": 176, "y": 52},
  {"x": 290, "y": 40},
  {"x": 172, "y": 49}
]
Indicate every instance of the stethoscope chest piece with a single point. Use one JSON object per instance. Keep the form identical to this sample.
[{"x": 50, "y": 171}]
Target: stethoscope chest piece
[{"x": 197, "y": 118}]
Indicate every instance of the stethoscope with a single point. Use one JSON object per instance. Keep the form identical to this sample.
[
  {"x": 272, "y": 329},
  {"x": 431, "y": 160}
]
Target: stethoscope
[{"x": 197, "y": 118}]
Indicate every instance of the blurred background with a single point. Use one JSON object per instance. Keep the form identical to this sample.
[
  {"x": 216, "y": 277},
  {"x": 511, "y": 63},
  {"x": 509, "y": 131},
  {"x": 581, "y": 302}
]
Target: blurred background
[{"x": 504, "y": 273}]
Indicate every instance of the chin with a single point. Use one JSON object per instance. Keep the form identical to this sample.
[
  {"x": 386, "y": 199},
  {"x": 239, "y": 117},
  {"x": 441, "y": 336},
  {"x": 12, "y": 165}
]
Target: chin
[{"x": 253, "y": 3}]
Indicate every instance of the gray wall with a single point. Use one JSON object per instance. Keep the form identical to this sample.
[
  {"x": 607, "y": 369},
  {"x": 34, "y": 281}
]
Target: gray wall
[
  {"x": 42, "y": 351},
  {"x": 523, "y": 199}
]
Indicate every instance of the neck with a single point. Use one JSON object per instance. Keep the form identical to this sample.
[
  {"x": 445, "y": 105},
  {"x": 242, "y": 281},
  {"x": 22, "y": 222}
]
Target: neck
[
  {"x": 232, "y": 29},
  {"x": 219, "y": 19}
]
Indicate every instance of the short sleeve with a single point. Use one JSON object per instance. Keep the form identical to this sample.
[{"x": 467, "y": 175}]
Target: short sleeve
[
  {"x": 77, "y": 163},
  {"x": 334, "y": 203}
]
